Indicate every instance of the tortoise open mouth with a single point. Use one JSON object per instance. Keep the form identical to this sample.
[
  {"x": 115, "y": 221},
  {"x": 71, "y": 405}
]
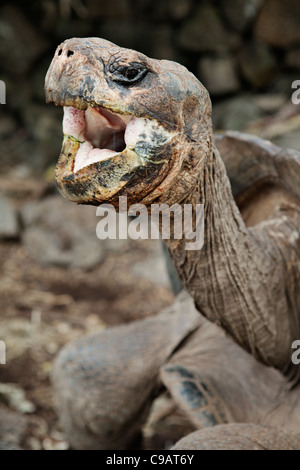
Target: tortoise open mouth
[
  {"x": 100, "y": 133},
  {"x": 103, "y": 150}
]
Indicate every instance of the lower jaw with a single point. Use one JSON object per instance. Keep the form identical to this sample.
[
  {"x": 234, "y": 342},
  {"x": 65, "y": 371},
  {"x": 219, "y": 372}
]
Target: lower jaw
[{"x": 104, "y": 180}]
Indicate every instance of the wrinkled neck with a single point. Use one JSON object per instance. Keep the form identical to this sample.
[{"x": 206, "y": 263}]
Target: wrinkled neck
[
  {"x": 230, "y": 277},
  {"x": 205, "y": 271}
]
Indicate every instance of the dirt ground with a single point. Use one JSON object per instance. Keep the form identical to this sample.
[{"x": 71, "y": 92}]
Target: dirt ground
[{"x": 45, "y": 305}]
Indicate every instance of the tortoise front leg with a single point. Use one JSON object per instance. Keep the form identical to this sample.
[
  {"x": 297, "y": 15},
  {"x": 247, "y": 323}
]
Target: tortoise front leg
[
  {"x": 215, "y": 382},
  {"x": 104, "y": 383}
]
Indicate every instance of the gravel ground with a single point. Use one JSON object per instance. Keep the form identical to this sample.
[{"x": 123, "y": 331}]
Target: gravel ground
[{"x": 44, "y": 305}]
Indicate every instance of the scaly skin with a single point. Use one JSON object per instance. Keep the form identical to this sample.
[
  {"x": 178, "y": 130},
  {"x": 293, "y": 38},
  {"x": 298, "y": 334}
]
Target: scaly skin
[
  {"x": 245, "y": 278},
  {"x": 239, "y": 437}
]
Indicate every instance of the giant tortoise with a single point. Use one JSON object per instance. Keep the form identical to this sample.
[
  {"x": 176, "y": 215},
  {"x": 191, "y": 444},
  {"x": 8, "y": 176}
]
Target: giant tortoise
[{"x": 141, "y": 128}]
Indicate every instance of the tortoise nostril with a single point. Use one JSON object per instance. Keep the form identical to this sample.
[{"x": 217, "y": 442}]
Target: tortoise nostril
[
  {"x": 60, "y": 51},
  {"x": 69, "y": 53}
]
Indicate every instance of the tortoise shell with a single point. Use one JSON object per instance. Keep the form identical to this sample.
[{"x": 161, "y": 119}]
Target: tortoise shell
[{"x": 262, "y": 175}]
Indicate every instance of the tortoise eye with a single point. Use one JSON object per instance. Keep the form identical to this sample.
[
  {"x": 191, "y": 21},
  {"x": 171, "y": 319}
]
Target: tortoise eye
[{"x": 128, "y": 74}]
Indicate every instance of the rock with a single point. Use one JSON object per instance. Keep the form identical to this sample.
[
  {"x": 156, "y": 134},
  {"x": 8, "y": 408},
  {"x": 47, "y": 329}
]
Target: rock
[
  {"x": 162, "y": 10},
  {"x": 32, "y": 337},
  {"x": 37, "y": 141},
  {"x": 162, "y": 46},
  {"x": 18, "y": 92},
  {"x": 12, "y": 428},
  {"x": 204, "y": 32},
  {"x": 269, "y": 102},
  {"x": 235, "y": 113},
  {"x": 60, "y": 233},
  {"x": 153, "y": 268},
  {"x": 50, "y": 443},
  {"x": 7, "y": 446},
  {"x": 19, "y": 185},
  {"x": 283, "y": 84},
  {"x": 158, "y": 44},
  {"x": 70, "y": 27},
  {"x": 239, "y": 13},
  {"x": 47, "y": 12},
  {"x": 45, "y": 127},
  {"x": 116, "y": 9},
  {"x": 9, "y": 227},
  {"x": 257, "y": 64},
  {"x": 278, "y": 23},
  {"x": 292, "y": 59},
  {"x": 179, "y": 9},
  {"x": 14, "y": 396},
  {"x": 123, "y": 33},
  {"x": 7, "y": 126},
  {"x": 218, "y": 75},
  {"x": 20, "y": 43},
  {"x": 290, "y": 140}
]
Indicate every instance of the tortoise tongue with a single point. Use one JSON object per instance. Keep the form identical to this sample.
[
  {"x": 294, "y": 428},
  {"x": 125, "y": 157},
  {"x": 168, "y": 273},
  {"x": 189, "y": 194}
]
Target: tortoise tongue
[
  {"x": 104, "y": 129},
  {"x": 87, "y": 154},
  {"x": 100, "y": 132}
]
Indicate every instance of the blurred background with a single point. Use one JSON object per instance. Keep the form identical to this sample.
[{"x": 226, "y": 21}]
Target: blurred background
[{"x": 57, "y": 280}]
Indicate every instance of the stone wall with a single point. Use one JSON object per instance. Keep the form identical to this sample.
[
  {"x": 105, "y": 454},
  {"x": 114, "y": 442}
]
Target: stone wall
[{"x": 246, "y": 52}]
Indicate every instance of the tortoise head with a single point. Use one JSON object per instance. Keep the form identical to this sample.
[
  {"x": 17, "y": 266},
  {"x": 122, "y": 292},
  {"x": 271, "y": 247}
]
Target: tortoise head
[{"x": 133, "y": 126}]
